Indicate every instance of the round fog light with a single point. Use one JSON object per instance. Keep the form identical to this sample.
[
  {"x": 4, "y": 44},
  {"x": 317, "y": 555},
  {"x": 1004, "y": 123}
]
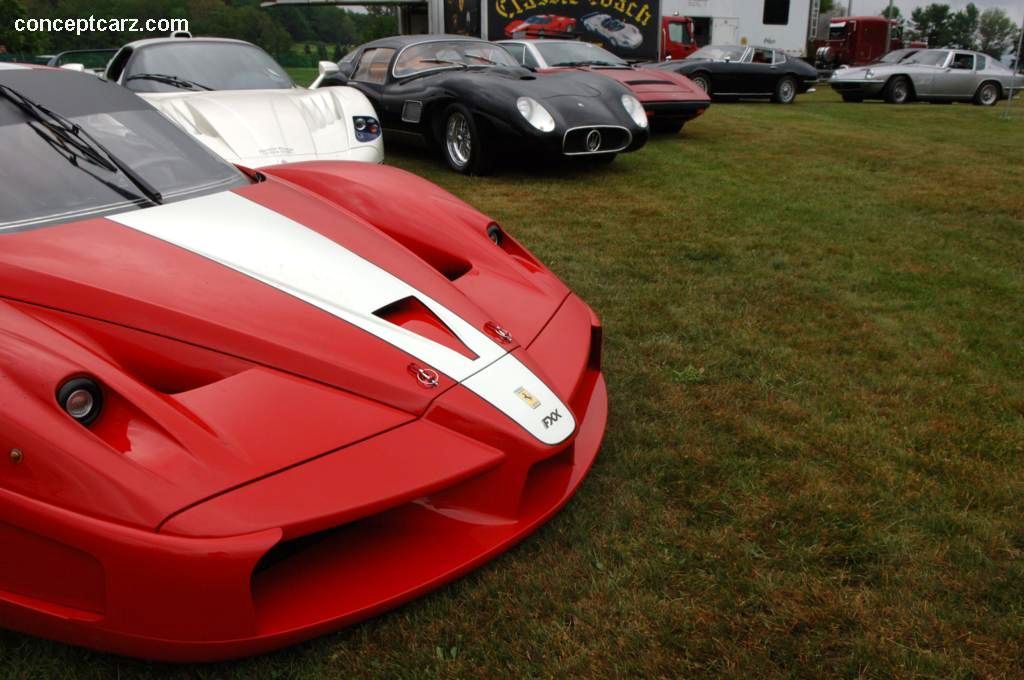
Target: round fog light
[
  {"x": 79, "y": 404},
  {"x": 81, "y": 398}
]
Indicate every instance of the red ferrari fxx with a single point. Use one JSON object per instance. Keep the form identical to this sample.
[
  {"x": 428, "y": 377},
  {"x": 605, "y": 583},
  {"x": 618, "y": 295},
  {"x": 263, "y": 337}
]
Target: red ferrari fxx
[
  {"x": 541, "y": 26},
  {"x": 239, "y": 408}
]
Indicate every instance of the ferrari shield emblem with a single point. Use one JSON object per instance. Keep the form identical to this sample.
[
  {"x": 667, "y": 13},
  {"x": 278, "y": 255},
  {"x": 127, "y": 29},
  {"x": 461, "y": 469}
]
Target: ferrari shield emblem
[{"x": 531, "y": 401}]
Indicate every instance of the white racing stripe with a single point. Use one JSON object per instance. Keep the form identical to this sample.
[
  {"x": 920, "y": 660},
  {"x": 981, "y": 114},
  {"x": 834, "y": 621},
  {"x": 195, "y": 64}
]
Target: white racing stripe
[{"x": 280, "y": 252}]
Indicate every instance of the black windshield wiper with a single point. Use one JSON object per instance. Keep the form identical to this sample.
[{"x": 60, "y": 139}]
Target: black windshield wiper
[
  {"x": 589, "y": 62},
  {"x": 169, "y": 80},
  {"x": 443, "y": 61},
  {"x": 74, "y": 142}
]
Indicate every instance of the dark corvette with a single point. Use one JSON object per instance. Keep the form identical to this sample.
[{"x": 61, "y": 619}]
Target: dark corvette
[
  {"x": 471, "y": 100},
  {"x": 733, "y": 71}
]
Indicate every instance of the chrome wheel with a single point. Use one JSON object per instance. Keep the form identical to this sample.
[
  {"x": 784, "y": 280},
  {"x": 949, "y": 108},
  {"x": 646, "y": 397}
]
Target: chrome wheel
[
  {"x": 787, "y": 90},
  {"x": 458, "y": 139},
  {"x": 988, "y": 94},
  {"x": 702, "y": 83},
  {"x": 899, "y": 91}
]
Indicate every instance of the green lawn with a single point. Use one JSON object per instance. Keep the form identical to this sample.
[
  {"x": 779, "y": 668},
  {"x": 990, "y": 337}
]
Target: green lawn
[
  {"x": 302, "y": 76},
  {"x": 814, "y": 464}
]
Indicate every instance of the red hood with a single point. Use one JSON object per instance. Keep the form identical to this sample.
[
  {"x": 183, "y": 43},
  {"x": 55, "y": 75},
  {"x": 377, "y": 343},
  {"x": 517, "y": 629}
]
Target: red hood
[
  {"x": 649, "y": 84},
  {"x": 178, "y": 338}
]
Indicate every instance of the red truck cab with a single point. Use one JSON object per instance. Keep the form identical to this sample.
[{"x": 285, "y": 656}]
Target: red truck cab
[
  {"x": 855, "y": 41},
  {"x": 676, "y": 38}
]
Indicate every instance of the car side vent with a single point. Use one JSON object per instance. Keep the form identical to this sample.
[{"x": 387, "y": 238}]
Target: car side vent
[{"x": 413, "y": 315}]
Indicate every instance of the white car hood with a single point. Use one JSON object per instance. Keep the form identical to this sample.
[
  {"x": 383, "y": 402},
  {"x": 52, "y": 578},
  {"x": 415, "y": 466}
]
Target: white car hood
[{"x": 268, "y": 127}]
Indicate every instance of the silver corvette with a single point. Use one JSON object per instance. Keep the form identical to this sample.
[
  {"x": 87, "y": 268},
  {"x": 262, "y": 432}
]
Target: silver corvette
[{"x": 930, "y": 75}]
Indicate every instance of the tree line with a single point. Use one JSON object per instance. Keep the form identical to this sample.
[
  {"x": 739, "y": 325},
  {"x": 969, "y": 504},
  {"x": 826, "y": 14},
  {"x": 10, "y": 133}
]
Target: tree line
[{"x": 323, "y": 32}]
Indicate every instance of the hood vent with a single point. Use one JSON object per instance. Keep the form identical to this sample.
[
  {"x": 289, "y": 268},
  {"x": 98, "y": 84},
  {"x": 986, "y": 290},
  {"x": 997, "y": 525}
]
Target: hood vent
[{"x": 414, "y": 316}]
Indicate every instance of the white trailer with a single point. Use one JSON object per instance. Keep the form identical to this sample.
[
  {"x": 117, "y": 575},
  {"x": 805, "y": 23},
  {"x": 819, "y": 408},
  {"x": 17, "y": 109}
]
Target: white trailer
[{"x": 781, "y": 24}]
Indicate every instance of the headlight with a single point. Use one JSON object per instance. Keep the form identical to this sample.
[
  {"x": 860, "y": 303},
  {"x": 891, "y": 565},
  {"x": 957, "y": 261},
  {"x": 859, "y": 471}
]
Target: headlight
[
  {"x": 535, "y": 114},
  {"x": 367, "y": 128},
  {"x": 635, "y": 109}
]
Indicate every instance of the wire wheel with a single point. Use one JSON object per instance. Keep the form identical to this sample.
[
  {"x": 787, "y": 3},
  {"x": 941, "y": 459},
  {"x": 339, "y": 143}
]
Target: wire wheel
[
  {"x": 785, "y": 91},
  {"x": 701, "y": 81},
  {"x": 458, "y": 139}
]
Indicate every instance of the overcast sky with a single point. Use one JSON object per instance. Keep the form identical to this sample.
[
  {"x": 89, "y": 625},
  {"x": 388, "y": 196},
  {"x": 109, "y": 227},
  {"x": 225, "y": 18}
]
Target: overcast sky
[{"x": 1015, "y": 8}]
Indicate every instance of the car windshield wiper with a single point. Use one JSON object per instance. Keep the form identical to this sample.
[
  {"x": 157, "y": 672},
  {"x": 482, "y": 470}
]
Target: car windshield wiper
[
  {"x": 74, "y": 143},
  {"x": 443, "y": 61},
  {"x": 482, "y": 58},
  {"x": 169, "y": 80},
  {"x": 588, "y": 62}
]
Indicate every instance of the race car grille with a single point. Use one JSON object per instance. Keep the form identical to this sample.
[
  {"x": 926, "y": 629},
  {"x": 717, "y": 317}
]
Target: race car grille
[{"x": 595, "y": 139}]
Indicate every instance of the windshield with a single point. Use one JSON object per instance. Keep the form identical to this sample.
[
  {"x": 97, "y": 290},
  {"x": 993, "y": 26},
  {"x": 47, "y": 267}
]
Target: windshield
[
  {"x": 613, "y": 24},
  {"x": 576, "y": 53},
  {"x": 451, "y": 54},
  {"x": 538, "y": 19},
  {"x": 896, "y": 56},
  {"x": 719, "y": 52},
  {"x": 837, "y": 31},
  {"x": 928, "y": 58},
  {"x": 51, "y": 189},
  {"x": 211, "y": 65}
]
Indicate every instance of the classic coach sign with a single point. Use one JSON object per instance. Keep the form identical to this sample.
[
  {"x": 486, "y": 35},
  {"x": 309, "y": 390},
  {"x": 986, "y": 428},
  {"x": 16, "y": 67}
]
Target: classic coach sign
[{"x": 627, "y": 27}]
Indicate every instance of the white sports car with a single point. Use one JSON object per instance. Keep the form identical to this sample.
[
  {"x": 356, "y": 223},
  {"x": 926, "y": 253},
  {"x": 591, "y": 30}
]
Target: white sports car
[
  {"x": 234, "y": 98},
  {"x": 618, "y": 33}
]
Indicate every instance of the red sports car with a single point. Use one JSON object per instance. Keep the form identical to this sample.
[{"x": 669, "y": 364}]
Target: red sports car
[
  {"x": 540, "y": 25},
  {"x": 670, "y": 100},
  {"x": 239, "y": 408}
]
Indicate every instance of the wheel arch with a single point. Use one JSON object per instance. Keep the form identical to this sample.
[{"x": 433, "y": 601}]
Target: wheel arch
[
  {"x": 910, "y": 81},
  {"x": 999, "y": 87}
]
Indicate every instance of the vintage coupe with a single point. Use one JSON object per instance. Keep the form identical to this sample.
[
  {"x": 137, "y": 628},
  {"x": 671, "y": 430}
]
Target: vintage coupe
[
  {"x": 472, "y": 101},
  {"x": 670, "y": 100},
  {"x": 242, "y": 408},
  {"x": 735, "y": 71},
  {"x": 930, "y": 75},
  {"x": 234, "y": 98},
  {"x": 540, "y": 26}
]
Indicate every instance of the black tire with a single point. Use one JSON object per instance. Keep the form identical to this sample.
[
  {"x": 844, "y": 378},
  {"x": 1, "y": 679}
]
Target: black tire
[
  {"x": 666, "y": 127},
  {"x": 462, "y": 144},
  {"x": 703, "y": 81},
  {"x": 785, "y": 90},
  {"x": 988, "y": 94},
  {"x": 899, "y": 90},
  {"x": 853, "y": 98}
]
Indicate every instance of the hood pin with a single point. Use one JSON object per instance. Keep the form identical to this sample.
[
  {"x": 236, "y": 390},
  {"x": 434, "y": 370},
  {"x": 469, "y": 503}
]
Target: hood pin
[
  {"x": 497, "y": 331},
  {"x": 427, "y": 377}
]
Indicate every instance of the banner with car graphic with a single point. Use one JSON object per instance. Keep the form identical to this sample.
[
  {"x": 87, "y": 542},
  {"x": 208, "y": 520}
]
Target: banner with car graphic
[{"x": 628, "y": 28}]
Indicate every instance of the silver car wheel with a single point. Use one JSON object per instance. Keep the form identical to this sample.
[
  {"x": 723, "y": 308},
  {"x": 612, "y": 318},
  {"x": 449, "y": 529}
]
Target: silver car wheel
[
  {"x": 787, "y": 91},
  {"x": 988, "y": 95},
  {"x": 900, "y": 91},
  {"x": 458, "y": 139},
  {"x": 702, "y": 83}
]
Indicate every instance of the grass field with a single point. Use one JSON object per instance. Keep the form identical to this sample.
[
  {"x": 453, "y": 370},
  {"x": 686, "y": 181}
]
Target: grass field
[{"x": 814, "y": 464}]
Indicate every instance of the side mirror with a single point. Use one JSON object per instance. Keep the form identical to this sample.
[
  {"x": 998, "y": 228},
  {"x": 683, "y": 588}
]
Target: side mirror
[
  {"x": 74, "y": 67},
  {"x": 327, "y": 68}
]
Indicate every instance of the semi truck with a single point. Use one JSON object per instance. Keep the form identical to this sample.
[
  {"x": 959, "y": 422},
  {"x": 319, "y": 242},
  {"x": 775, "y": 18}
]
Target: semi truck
[{"x": 856, "y": 41}]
